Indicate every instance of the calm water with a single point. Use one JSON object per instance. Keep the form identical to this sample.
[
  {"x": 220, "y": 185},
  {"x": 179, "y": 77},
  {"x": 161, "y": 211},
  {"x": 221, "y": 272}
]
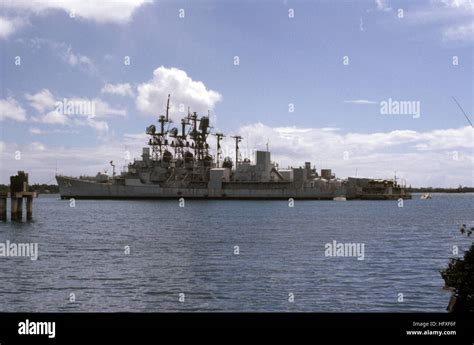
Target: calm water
[{"x": 190, "y": 250}]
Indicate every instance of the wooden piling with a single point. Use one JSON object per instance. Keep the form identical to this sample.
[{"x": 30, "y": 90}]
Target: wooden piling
[
  {"x": 14, "y": 208},
  {"x": 3, "y": 208},
  {"x": 29, "y": 208},
  {"x": 20, "y": 209},
  {"x": 17, "y": 205},
  {"x": 18, "y": 191}
]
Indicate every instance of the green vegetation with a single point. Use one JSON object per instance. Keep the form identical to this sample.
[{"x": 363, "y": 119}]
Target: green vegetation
[
  {"x": 460, "y": 189},
  {"x": 459, "y": 276}
]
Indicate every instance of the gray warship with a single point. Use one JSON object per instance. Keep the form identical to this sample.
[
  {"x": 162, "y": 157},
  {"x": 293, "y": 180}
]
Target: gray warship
[{"x": 177, "y": 163}]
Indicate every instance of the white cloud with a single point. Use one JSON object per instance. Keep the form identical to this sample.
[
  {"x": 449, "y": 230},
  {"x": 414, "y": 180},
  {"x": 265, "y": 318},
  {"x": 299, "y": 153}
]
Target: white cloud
[
  {"x": 75, "y": 111},
  {"x": 106, "y": 11},
  {"x": 11, "y": 109},
  {"x": 454, "y": 19},
  {"x": 461, "y": 4},
  {"x": 460, "y": 25},
  {"x": 39, "y": 131},
  {"x": 34, "y": 130},
  {"x": 36, "y": 146},
  {"x": 382, "y": 5},
  {"x": 103, "y": 109},
  {"x": 334, "y": 141},
  {"x": 54, "y": 118},
  {"x": 447, "y": 12},
  {"x": 63, "y": 51},
  {"x": 41, "y": 160},
  {"x": 118, "y": 89},
  {"x": 100, "y": 126},
  {"x": 8, "y": 26},
  {"x": 360, "y": 101},
  {"x": 77, "y": 60},
  {"x": 152, "y": 96},
  {"x": 135, "y": 139},
  {"x": 464, "y": 32},
  {"x": 419, "y": 157},
  {"x": 42, "y": 100}
]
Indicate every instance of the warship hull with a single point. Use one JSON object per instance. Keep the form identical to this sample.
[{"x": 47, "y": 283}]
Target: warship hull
[{"x": 72, "y": 187}]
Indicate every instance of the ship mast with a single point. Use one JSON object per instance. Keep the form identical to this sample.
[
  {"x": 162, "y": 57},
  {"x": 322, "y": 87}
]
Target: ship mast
[
  {"x": 167, "y": 107},
  {"x": 158, "y": 141},
  {"x": 238, "y": 139},
  {"x": 219, "y": 137},
  {"x": 190, "y": 156}
]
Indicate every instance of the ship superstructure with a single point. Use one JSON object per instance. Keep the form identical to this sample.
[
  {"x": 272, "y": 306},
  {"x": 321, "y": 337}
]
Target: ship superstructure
[{"x": 178, "y": 163}]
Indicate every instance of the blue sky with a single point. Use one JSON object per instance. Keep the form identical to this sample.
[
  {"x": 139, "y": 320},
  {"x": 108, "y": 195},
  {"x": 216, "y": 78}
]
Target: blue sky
[{"x": 282, "y": 61}]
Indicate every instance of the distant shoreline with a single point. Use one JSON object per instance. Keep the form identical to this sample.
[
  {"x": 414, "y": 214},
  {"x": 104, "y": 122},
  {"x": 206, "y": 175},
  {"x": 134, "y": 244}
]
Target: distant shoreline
[{"x": 441, "y": 190}]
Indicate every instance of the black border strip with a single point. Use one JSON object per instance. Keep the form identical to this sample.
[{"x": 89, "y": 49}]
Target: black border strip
[{"x": 237, "y": 328}]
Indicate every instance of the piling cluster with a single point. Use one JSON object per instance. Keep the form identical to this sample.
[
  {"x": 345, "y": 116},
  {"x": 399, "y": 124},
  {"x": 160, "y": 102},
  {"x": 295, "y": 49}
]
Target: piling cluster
[{"x": 18, "y": 192}]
